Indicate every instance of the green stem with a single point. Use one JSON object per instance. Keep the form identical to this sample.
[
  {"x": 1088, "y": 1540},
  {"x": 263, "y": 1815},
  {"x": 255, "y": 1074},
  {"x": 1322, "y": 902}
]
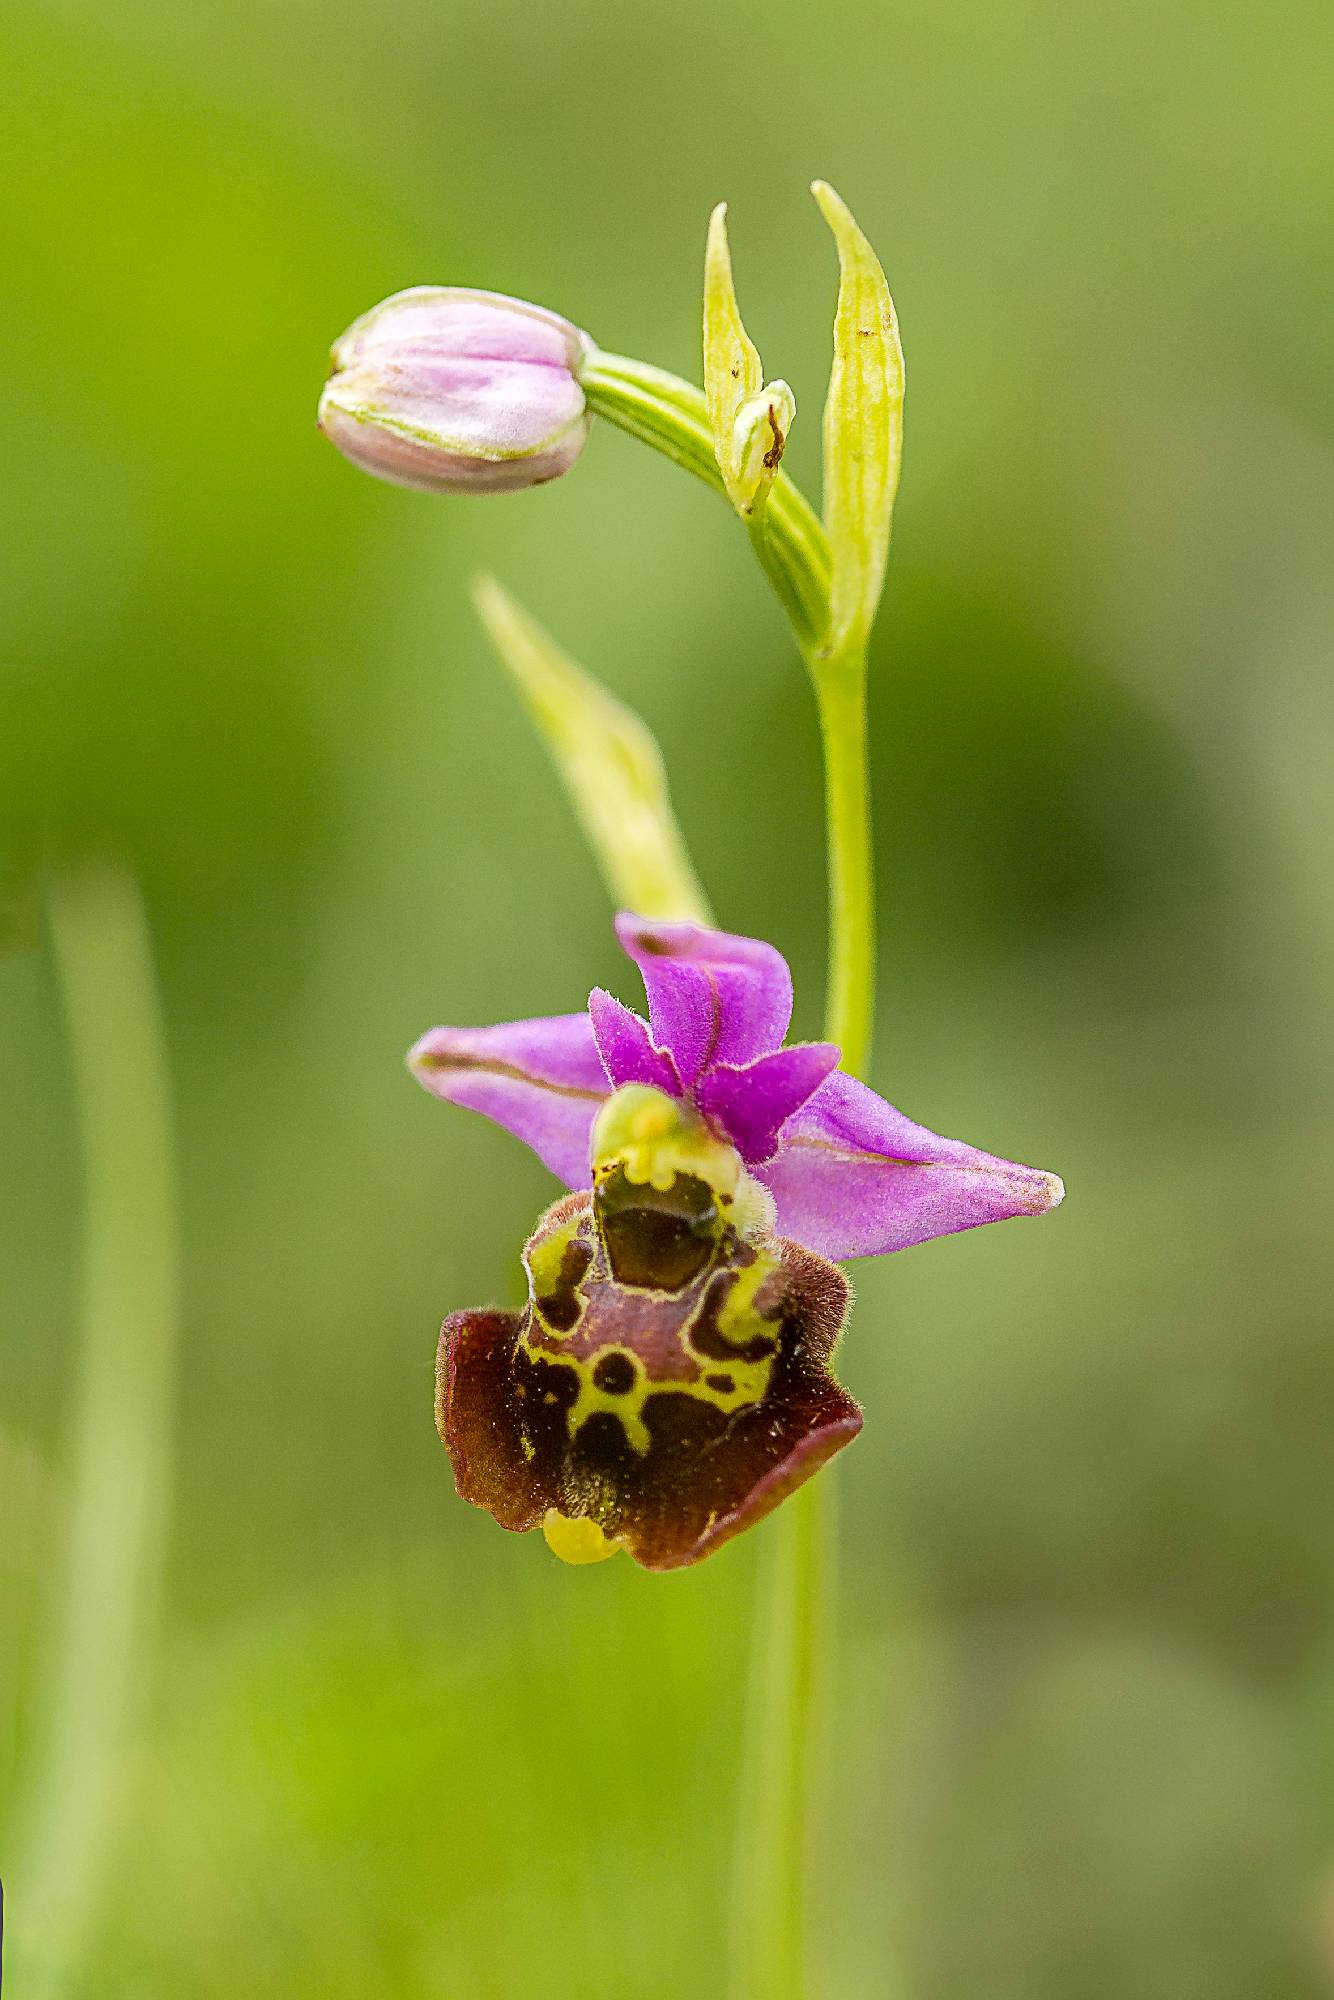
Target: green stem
[
  {"x": 840, "y": 691},
  {"x": 797, "y": 1591},
  {"x": 120, "y": 1460},
  {"x": 789, "y": 1670}
]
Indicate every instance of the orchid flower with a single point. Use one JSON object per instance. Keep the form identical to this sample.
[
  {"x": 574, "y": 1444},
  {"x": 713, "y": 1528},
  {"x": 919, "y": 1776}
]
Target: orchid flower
[
  {"x": 668, "y": 1382},
  {"x": 850, "y": 1175}
]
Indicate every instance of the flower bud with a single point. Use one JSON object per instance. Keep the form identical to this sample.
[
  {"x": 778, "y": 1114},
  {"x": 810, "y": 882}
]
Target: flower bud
[
  {"x": 458, "y": 391},
  {"x": 759, "y": 438}
]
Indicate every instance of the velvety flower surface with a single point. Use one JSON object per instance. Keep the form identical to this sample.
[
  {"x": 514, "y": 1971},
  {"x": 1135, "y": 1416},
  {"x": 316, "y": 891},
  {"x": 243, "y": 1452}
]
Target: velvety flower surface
[
  {"x": 666, "y": 1386},
  {"x": 850, "y": 1176}
]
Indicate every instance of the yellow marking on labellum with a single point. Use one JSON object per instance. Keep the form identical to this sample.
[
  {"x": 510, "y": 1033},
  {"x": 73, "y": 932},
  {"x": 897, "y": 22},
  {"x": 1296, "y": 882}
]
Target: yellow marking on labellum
[
  {"x": 556, "y": 1265},
  {"x": 545, "y": 1254},
  {"x": 613, "y": 1378},
  {"x": 729, "y": 1385},
  {"x": 578, "y": 1541},
  {"x": 739, "y": 1325},
  {"x": 726, "y": 1350},
  {"x": 626, "y": 1405},
  {"x": 749, "y": 1383}
]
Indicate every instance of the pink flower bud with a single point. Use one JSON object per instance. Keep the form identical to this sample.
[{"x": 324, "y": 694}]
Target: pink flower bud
[{"x": 458, "y": 391}]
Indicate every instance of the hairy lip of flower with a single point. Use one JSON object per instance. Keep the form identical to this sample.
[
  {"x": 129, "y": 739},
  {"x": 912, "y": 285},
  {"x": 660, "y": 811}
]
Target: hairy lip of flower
[{"x": 662, "y": 1415}]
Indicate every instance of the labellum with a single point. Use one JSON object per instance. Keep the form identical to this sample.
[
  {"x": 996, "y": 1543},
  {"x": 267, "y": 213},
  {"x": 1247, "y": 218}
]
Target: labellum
[{"x": 668, "y": 1382}]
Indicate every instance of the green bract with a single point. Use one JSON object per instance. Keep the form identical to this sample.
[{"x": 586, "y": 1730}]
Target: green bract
[
  {"x": 863, "y": 429},
  {"x": 750, "y": 419},
  {"x": 828, "y": 575},
  {"x": 608, "y": 761}
]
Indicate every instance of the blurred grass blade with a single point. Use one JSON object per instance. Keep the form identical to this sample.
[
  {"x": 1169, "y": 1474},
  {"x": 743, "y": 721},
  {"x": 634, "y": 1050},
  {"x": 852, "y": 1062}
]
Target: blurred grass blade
[
  {"x": 863, "y": 429},
  {"x": 121, "y": 1450},
  {"x": 20, "y": 896},
  {"x": 732, "y": 371},
  {"x": 608, "y": 761}
]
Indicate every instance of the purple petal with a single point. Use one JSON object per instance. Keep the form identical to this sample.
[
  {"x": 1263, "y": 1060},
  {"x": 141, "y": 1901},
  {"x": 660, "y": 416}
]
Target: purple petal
[
  {"x": 854, "y": 1178},
  {"x": 626, "y": 1046},
  {"x": 542, "y": 1080},
  {"x": 752, "y": 1102},
  {"x": 436, "y": 462},
  {"x": 711, "y": 997},
  {"x": 453, "y": 319}
]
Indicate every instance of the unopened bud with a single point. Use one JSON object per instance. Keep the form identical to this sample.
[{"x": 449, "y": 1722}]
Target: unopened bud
[
  {"x": 458, "y": 391},
  {"x": 760, "y": 437}
]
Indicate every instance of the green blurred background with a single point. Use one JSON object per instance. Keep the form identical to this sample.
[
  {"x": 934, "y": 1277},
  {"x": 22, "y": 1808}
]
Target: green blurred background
[{"x": 1082, "y": 1734}]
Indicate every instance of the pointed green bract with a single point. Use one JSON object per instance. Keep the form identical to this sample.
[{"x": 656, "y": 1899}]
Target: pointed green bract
[
  {"x": 749, "y": 418},
  {"x": 608, "y": 761},
  {"x": 732, "y": 371},
  {"x": 863, "y": 429}
]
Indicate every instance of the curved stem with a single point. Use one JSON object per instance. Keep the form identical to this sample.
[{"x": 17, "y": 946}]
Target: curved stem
[
  {"x": 120, "y": 1463},
  {"x": 662, "y": 410}
]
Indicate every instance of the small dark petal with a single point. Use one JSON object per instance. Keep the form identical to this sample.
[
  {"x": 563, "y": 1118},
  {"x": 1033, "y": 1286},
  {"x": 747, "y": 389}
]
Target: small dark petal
[
  {"x": 753, "y": 1104},
  {"x": 476, "y": 1416}
]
